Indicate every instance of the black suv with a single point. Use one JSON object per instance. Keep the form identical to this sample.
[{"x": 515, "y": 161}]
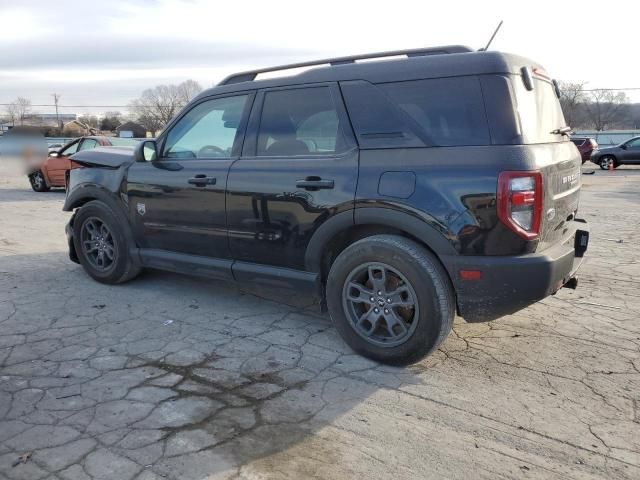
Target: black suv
[{"x": 400, "y": 191}]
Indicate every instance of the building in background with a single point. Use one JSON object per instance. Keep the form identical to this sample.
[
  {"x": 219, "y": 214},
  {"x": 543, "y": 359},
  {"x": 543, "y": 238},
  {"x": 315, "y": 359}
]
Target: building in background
[
  {"x": 48, "y": 119},
  {"x": 131, "y": 130}
]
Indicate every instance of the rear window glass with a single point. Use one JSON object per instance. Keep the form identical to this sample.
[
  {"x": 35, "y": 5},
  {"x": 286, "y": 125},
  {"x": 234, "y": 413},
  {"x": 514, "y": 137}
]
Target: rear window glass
[
  {"x": 447, "y": 111},
  {"x": 539, "y": 111}
]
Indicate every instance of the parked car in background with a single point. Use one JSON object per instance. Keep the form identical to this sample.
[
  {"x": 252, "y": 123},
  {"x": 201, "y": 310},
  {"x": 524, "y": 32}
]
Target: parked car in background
[
  {"x": 586, "y": 146},
  {"x": 51, "y": 172},
  {"x": 627, "y": 153},
  {"x": 397, "y": 191}
]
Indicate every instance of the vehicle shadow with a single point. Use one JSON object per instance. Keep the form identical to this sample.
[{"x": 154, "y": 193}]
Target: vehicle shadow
[{"x": 222, "y": 376}]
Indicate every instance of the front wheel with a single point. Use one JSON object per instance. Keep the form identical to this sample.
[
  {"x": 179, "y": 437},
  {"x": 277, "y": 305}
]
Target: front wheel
[
  {"x": 606, "y": 162},
  {"x": 390, "y": 299},
  {"x": 100, "y": 242},
  {"x": 38, "y": 183}
]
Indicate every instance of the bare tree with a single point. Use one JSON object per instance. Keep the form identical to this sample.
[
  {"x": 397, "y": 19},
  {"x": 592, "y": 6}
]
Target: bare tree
[
  {"x": 90, "y": 120},
  {"x": 111, "y": 121},
  {"x": 157, "y": 106},
  {"x": 572, "y": 98},
  {"x": 189, "y": 89},
  {"x": 23, "y": 107},
  {"x": 12, "y": 113},
  {"x": 607, "y": 108}
]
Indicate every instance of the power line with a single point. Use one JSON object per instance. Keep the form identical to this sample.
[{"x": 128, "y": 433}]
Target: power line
[
  {"x": 165, "y": 106},
  {"x": 85, "y": 106}
]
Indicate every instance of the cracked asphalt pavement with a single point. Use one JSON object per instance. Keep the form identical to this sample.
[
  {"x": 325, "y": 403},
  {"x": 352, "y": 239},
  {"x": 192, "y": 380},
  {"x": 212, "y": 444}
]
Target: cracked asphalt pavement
[{"x": 177, "y": 377}]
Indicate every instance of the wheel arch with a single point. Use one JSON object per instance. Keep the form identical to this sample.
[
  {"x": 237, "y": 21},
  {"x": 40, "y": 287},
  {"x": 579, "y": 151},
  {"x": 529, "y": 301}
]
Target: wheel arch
[
  {"x": 89, "y": 192},
  {"x": 84, "y": 194},
  {"x": 342, "y": 230}
]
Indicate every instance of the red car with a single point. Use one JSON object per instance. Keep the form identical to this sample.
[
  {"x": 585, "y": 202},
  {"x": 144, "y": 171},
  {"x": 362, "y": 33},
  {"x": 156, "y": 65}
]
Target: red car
[
  {"x": 586, "y": 146},
  {"x": 53, "y": 170}
]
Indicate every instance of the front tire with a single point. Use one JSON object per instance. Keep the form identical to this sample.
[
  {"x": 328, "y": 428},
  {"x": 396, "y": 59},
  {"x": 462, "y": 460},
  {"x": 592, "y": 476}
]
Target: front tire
[
  {"x": 607, "y": 160},
  {"x": 390, "y": 299},
  {"x": 101, "y": 244},
  {"x": 37, "y": 181}
]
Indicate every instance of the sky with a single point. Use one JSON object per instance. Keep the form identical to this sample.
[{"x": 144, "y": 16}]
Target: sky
[{"x": 104, "y": 53}]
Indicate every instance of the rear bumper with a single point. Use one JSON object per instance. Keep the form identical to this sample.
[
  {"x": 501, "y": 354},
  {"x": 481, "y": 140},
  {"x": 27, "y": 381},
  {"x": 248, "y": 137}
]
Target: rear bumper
[{"x": 509, "y": 284}]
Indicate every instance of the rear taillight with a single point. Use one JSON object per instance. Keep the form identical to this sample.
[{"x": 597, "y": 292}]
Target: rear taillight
[{"x": 520, "y": 199}]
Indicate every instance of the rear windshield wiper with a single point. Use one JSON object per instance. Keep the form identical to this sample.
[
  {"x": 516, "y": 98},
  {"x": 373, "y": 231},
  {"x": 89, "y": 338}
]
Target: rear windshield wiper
[{"x": 561, "y": 131}]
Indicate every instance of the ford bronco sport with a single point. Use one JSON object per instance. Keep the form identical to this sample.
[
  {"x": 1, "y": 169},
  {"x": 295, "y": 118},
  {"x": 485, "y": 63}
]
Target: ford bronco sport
[{"x": 400, "y": 191}]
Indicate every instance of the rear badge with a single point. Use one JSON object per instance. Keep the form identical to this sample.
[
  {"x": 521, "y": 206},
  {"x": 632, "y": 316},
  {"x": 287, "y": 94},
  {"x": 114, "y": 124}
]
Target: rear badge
[{"x": 141, "y": 209}]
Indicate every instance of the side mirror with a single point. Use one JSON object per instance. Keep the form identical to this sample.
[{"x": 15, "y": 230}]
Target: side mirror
[
  {"x": 623, "y": 146},
  {"x": 53, "y": 154},
  {"x": 146, "y": 151}
]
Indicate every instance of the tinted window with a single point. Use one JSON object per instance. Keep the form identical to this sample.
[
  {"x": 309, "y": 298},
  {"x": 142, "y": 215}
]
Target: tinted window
[
  {"x": 634, "y": 143},
  {"x": 301, "y": 121},
  {"x": 378, "y": 122},
  {"x": 448, "y": 111},
  {"x": 71, "y": 149},
  {"x": 88, "y": 144},
  {"x": 208, "y": 130}
]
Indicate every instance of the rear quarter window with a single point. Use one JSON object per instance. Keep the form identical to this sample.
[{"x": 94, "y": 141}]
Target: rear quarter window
[{"x": 447, "y": 111}]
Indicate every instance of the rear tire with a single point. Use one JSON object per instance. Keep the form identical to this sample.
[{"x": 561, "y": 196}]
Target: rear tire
[
  {"x": 390, "y": 299},
  {"x": 101, "y": 245},
  {"x": 606, "y": 160},
  {"x": 37, "y": 181}
]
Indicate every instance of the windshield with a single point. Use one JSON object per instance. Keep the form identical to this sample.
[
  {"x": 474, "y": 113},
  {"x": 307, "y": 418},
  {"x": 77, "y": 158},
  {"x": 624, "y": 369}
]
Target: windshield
[{"x": 539, "y": 111}]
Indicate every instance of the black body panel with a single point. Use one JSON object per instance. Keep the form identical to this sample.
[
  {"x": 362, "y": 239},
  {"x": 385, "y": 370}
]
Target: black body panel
[{"x": 169, "y": 213}]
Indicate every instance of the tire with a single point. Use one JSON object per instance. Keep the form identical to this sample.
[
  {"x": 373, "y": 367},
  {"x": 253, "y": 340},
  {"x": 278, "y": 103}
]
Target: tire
[
  {"x": 605, "y": 160},
  {"x": 38, "y": 183},
  {"x": 119, "y": 267},
  {"x": 410, "y": 268}
]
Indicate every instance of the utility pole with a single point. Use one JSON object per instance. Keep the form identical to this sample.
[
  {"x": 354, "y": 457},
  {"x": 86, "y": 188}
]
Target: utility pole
[{"x": 56, "y": 97}]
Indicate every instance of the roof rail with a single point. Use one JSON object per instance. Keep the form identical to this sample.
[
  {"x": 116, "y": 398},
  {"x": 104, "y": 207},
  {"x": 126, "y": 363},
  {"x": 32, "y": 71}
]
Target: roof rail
[{"x": 251, "y": 75}]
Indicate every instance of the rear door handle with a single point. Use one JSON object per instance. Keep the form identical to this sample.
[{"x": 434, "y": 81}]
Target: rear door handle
[
  {"x": 202, "y": 180},
  {"x": 314, "y": 183}
]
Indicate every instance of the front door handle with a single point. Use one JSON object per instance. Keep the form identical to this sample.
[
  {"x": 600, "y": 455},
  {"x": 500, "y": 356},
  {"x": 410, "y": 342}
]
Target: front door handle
[
  {"x": 314, "y": 183},
  {"x": 202, "y": 180}
]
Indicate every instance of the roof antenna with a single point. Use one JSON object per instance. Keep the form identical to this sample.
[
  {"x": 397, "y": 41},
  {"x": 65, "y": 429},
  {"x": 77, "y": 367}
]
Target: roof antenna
[{"x": 492, "y": 37}]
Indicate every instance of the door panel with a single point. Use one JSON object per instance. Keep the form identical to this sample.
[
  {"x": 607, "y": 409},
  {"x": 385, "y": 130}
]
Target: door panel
[
  {"x": 57, "y": 166},
  {"x": 632, "y": 154},
  {"x": 177, "y": 203},
  {"x": 298, "y": 169},
  {"x": 170, "y": 213}
]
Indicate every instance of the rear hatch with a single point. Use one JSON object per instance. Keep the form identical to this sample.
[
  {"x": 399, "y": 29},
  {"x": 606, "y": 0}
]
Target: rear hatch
[{"x": 543, "y": 129}]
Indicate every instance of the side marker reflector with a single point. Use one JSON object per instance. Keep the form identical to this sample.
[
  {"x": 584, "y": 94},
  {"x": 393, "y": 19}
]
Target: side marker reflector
[{"x": 470, "y": 274}]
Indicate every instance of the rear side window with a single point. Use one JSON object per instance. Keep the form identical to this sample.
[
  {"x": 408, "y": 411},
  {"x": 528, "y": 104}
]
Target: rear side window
[
  {"x": 447, "y": 111},
  {"x": 301, "y": 121}
]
